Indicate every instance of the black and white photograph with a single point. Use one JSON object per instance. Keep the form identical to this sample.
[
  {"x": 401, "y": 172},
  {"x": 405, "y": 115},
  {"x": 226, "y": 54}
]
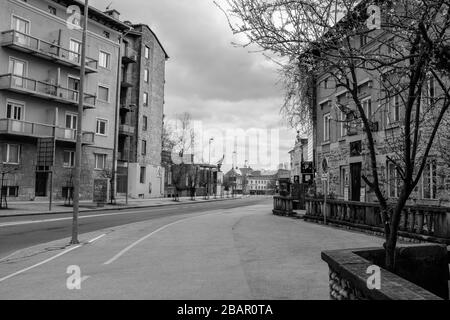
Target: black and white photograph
[{"x": 225, "y": 155}]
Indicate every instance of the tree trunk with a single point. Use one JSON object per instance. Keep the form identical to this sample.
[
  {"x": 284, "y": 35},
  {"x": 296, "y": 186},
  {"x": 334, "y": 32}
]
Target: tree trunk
[{"x": 390, "y": 246}]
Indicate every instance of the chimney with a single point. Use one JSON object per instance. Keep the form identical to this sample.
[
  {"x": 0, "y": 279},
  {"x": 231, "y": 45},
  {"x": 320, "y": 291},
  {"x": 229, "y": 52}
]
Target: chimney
[{"x": 113, "y": 13}]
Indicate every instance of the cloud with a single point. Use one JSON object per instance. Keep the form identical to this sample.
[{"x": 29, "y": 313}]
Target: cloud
[{"x": 217, "y": 83}]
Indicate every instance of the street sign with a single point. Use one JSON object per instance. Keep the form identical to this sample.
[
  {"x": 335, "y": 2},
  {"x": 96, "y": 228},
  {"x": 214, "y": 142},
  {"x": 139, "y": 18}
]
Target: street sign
[
  {"x": 324, "y": 176},
  {"x": 307, "y": 167},
  {"x": 325, "y": 165}
]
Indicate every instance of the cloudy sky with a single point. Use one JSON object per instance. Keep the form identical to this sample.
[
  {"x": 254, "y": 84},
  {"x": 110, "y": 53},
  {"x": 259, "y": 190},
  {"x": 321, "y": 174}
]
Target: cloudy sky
[{"x": 223, "y": 87}]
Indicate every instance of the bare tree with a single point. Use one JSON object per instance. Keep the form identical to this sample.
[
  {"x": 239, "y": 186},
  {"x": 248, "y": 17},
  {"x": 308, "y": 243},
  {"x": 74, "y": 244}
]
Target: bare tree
[
  {"x": 181, "y": 139},
  {"x": 406, "y": 47}
]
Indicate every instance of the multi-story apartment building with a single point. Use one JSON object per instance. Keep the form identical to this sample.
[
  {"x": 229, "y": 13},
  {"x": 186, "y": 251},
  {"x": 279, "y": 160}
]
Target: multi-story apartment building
[
  {"x": 141, "y": 114},
  {"x": 39, "y": 87},
  {"x": 340, "y": 143}
]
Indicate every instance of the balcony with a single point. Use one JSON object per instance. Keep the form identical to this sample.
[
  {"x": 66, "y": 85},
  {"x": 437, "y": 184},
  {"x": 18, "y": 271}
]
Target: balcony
[
  {"x": 50, "y": 51},
  {"x": 126, "y": 130},
  {"x": 130, "y": 56},
  {"x": 39, "y": 130},
  {"x": 127, "y": 81},
  {"x": 44, "y": 90}
]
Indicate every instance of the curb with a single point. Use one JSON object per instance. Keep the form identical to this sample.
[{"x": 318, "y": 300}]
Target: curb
[{"x": 40, "y": 213}]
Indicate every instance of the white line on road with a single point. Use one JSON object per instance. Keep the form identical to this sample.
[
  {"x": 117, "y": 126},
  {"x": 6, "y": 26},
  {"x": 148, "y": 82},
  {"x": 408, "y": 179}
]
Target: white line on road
[
  {"x": 97, "y": 238},
  {"x": 117, "y": 256},
  {"x": 11, "y": 224},
  {"x": 40, "y": 263}
]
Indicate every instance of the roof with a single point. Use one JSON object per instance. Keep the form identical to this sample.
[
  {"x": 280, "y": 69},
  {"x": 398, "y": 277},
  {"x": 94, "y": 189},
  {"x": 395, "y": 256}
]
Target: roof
[{"x": 159, "y": 42}]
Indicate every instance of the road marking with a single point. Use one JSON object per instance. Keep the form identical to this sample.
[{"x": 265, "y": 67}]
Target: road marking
[
  {"x": 97, "y": 238},
  {"x": 158, "y": 208},
  {"x": 11, "y": 224},
  {"x": 131, "y": 246},
  {"x": 40, "y": 263}
]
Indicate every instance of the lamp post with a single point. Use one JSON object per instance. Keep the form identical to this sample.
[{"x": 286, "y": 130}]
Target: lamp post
[{"x": 209, "y": 163}]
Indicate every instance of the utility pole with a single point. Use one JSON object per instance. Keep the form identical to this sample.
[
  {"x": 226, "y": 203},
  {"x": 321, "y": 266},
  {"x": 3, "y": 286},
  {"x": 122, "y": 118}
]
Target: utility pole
[{"x": 79, "y": 147}]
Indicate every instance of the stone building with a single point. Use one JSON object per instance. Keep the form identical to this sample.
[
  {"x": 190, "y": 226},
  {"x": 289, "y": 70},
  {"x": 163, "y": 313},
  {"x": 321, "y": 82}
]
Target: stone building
[
  {"x": 298, "y": 155},
  {"x": 140, "y": 172},
  {"x": 39, "y": 87},
  {"x": 341, "y": 145}
]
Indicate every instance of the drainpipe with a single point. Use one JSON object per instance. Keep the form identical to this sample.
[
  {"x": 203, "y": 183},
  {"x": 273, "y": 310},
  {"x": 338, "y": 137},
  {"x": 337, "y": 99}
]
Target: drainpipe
[{"x": 116, "y": 121}]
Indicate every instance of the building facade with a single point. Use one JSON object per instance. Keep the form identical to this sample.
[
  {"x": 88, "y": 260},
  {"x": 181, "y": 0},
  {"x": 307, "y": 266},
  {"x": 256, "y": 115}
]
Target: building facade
[
  {"x": 298, "y": 155},
  {"x": 140, "y": 173},
  {"x": 39, "y": 86},
  {"x": 341, "y": 145}
]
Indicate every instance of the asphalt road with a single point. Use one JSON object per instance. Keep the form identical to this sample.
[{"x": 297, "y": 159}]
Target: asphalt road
[{"x": 28, "y": 231}]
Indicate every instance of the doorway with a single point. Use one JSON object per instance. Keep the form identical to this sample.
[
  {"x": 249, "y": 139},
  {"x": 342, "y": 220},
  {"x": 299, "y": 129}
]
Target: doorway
[
  {"x": 41, "y": 184},
  {"x": 355, "y": 176}
]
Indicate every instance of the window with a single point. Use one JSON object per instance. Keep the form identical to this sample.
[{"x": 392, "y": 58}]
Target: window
[
  {"x": 106, "y": 34},
  {"x": 144, "y": 148},
  {"x": 343, "y": 180},
  {"x": 429, "y": 181},
  {"x": 12, "y": 154},
  {"x": 146, "y": 76},
  {"x": 367, "y": 106},
  {"x": 14, "y": 111},
  {"x": 145, "y": 98},
  {"x": 69, "y": 159},
  {"x": 21, "y": 25},
  {"x": 101, "y": 127},
  {"x": 75, "y": 50},
  {"x": 10, "y": 191},
  {"x": 142, "y": 175},
  {"x": 393, "y": 181},
  {"x": 326, "y": 127},
  {"x": 343, "y": 124},
  {"x": 18, "y": 69},
  {"x": 144, "y": 123},
  {"x": 103, "y": 93},
  {"x": 52, "y": 10},
  {"x": 394, "y": 109},
  {"x": 100, "y": 161},
  {"x": 431, "y": 91},
  {"x": 147, "y": 52},
  {"x": 104, "y": 60}
]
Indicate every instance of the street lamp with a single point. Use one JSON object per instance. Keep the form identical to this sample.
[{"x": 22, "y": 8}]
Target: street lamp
[{"x": 209, "y": 163}]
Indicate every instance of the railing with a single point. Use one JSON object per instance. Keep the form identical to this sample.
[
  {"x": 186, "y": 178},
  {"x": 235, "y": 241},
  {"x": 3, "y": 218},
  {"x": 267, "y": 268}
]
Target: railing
[
  {"x": 282, "y": 205},
  {"x": 39, "y": 130},
  {"x": 44, "y": 89},
  {"x": 430, "y": 223},
  {"x": 126, "y": 129},
  {"x": 130, "y": 55},
  {"x": 50, "y": 50}
]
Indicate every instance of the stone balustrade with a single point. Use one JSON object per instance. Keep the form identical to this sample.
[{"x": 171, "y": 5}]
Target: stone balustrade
[{"x": 423, "y": 223}]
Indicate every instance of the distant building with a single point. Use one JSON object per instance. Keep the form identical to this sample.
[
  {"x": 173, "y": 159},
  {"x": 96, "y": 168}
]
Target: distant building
[{"x": 298, "y": 155}]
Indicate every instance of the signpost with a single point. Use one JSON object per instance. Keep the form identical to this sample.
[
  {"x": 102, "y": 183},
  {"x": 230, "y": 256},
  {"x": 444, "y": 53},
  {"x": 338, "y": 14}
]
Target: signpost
[{"x": 325, "y": 180}]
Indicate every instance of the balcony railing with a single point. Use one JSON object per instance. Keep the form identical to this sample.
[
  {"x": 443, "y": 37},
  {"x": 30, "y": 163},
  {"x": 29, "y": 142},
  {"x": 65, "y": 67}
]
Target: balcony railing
[
  {"x": 429, "y": 223},
  {"x": 39, "y": 130},
  {"x": 50, "y": 51},
  {"x": 130, "y": 56},
  {"x": 126, "y": 129},
  {"x": 44, "y": 90}
]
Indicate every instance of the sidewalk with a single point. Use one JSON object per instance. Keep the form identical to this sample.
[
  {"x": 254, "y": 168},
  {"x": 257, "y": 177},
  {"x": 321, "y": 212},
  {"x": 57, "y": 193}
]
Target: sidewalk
[{"x": 27, "y": 208}]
